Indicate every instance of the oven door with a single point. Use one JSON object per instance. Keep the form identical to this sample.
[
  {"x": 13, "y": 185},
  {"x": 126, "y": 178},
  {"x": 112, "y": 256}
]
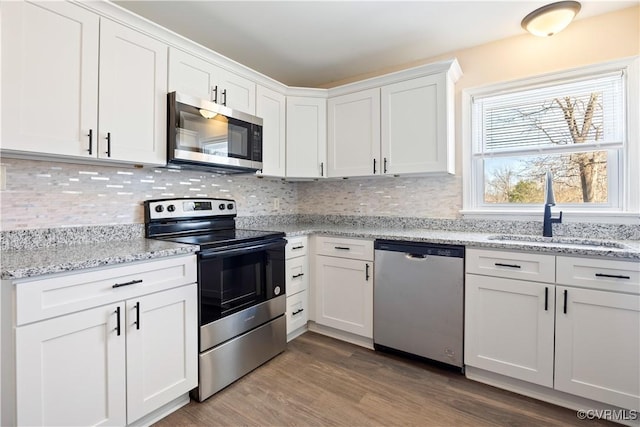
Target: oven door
[{"x": 239, "y": 276}]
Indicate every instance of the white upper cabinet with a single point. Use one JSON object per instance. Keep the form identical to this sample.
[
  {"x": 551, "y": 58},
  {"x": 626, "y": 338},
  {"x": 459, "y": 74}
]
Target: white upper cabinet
[
  {"x": 417, "y": 126},
  {"x": 193, "y": 76},
  {"x": 51, "y": 55},
  {"x": 271, "y": 106},
  {"x": 49, "y": 78},
  {"x": 400, "y": 123},
  {"x": 354, "y": 134},
  {"x": 133, "y": 102},
  {"x": 306, "y": 137}
]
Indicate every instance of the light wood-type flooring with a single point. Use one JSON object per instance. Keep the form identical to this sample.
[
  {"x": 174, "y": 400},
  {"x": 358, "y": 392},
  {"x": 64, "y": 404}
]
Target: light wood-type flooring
[{"x": 320, "y": 381}]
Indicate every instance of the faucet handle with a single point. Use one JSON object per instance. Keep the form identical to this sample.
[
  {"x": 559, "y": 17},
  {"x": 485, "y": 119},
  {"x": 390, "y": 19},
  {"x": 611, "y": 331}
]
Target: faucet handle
[{"x": 557, "y": 220}]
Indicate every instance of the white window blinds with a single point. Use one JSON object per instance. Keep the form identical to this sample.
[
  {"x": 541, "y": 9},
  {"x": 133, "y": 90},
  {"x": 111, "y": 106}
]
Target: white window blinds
[{"x": 585, "y": 114}]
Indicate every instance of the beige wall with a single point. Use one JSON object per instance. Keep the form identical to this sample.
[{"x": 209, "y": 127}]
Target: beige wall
[{"x": 589, "y": 41}]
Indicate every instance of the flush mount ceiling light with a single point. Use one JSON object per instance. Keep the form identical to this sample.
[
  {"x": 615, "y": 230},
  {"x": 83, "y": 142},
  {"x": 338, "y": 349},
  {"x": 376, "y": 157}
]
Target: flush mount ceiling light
[{"x": 551, "y": 19}]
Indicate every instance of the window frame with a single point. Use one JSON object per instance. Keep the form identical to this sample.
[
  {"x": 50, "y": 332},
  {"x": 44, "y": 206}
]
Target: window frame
[{"x": 624, "y": 185}]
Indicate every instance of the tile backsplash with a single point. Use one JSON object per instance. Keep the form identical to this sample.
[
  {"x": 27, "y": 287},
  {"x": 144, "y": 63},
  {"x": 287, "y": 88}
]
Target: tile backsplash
[{"x": 43, "y": 194}]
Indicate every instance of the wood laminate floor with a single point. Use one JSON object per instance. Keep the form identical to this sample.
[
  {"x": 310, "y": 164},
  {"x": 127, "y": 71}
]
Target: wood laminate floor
[{"x": 320, "y": 381}]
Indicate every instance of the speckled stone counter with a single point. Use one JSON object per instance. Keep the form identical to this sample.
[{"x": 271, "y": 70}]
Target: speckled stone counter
[
  {"x": 21, "y": 264},
  {"x": 627, "y": 249}
]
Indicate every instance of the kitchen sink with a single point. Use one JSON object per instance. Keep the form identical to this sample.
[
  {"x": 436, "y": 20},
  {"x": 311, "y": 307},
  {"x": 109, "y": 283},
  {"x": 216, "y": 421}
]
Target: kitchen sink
[{"x": 559, "y": 240}]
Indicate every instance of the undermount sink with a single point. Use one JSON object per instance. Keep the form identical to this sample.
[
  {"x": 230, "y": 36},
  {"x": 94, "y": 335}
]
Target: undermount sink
[{"x": 559, "y": 240}]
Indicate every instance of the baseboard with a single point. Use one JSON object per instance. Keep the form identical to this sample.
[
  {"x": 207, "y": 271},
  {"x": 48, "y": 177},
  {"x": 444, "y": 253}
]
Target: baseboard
[
  {"x": 295, "y": 334},
  {"x": 162, "y": 412},
  {"x": 341, "y": 335},
  {"x": 577, "y": 403}
]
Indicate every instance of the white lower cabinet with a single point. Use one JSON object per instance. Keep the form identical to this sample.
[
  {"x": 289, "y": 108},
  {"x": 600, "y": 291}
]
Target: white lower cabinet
[
  {"x": 598, "y": 346},
  {"x": 344, "y": 288},
  {"x": 107, "y": 362},
  {"x": 297, "y": 285},
  {"x": 578, "y": 335},
  {"x": 509, "y": 327},
  {"x": 71, "y": 370}
]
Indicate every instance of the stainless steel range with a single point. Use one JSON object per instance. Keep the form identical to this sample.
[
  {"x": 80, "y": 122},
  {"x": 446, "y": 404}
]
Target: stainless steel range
[{"x": 241, "y": 286}]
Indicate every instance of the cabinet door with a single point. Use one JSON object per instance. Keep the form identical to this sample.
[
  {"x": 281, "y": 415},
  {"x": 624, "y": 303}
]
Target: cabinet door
[
  {"x": 271, "y": 107},
  {"x": 598, "y": 346},
  {"x": 70, "y": 370},
  {"x": 416, "y": 126},
  {"x": 191, "y": 75},
  {"x": 162, "y": 349},
  {"x": 353, "y": 142},
  {"x": 133, "y": 96},
  {"x": 344, "y": 295},
  {"x": 509, "y": 327},
  {"x": 49, "y": 78},
  {"x": 306, "y": 137},
  {"x": 237, "y": 92}
]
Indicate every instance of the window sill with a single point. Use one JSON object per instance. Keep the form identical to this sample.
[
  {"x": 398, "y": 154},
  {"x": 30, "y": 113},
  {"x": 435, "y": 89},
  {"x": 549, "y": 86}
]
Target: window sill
[{"x": 568, "y": 215}]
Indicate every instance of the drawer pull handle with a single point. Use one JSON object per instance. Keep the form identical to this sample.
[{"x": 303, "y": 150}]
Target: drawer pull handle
[
  {"x": 297, "y": 247},
  {"x": 366, "y": 273},
  {"x": 613, "y": 276},
  {"x": 138, "y": 315},
  {"x": 499, "y": 264},
  {"x": 342, "y": 248},
  {"x": 565, "y": 302},
  {"x": 118, "y": 320},
  {"x": 297, "y": 312},
  {"x": 295, "y": 276},
  {"x": 546, "y": 299},
  {"x": 133, "y": 282}
]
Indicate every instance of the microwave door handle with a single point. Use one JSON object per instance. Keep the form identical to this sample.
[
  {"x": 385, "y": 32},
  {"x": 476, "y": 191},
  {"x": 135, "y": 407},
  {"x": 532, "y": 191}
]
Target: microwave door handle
[{"x": 224, "y": 253}]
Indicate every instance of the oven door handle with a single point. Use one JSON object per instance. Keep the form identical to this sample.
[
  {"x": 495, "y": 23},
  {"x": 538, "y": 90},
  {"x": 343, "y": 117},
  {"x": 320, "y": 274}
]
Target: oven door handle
[{"x": 242, "y": 250}]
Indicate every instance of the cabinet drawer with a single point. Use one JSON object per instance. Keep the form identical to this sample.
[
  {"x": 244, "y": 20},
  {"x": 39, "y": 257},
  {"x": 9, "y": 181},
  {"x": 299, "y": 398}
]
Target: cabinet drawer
[
  {"x": 604, "y": 274},
  {"x": 297, "y": 274},
  {"x": 345, "y": 248},
  {"x": 512, "y": 265},
  {"x": 297, "y": 312},
  {"x": 62, "y": 294},
  {"x": 296, "y": 246}
]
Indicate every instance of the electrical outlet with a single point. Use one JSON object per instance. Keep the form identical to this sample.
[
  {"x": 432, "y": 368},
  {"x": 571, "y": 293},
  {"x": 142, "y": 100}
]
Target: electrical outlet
[{"x": 276, "y": 203}]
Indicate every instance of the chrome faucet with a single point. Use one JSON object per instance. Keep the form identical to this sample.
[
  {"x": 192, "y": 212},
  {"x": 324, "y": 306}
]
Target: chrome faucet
[{"x": 547, "y": 230}]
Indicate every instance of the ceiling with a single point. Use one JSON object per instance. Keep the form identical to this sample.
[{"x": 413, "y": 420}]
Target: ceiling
[{"x": 314, "y": 43}]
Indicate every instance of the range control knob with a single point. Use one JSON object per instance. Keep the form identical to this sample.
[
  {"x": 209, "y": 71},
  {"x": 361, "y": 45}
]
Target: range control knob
[
  {"x": 221, "y": 206},
  {"x": 171, "y": 208},
  {"x": 159, "y": 208},
  {"x": 230, "y": 206}
]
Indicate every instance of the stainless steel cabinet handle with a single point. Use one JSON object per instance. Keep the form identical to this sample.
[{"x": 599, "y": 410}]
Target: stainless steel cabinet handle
[
  {"x": 117, "y": 312},
  {"x": 90, "y": 150},
  {"x": 499, "y": 264},
  {"x": 613, "y": 276},
  {"x": 133, "y": 282}
]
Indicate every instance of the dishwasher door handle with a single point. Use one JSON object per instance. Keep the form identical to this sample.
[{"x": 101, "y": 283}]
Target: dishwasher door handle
[{"x": 417, "y": 257}]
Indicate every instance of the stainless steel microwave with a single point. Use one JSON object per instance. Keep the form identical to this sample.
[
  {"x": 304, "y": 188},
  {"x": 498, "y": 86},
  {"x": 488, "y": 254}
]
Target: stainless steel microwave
[{"x": 205, "y": 135}]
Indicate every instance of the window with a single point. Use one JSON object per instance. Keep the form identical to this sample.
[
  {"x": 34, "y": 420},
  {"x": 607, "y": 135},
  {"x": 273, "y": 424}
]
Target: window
[{"x": 573, "y": 125}]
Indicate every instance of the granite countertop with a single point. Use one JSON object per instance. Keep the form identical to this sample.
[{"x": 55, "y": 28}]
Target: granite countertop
[
  {"x": 20, "y": 264},
  {"x": 618, "y": 249},
  {"x": 26, "y": 263}
]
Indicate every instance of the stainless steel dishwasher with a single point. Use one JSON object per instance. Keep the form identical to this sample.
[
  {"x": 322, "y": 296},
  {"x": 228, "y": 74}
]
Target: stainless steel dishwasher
[{"x": 418, "y": 299}]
